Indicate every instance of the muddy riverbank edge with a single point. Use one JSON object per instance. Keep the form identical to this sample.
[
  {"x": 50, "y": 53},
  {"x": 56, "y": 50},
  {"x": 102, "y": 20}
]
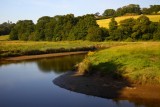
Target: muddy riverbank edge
[
  {"x": 108, "y": 88},
  {"x": 30, "y": 57}
]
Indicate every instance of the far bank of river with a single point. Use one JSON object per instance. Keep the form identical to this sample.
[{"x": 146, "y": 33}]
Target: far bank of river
[{"x": 31, "y": 57}]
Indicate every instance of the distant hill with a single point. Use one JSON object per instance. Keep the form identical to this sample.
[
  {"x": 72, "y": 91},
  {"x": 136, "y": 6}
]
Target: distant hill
[{"x": 105, "y": 22}]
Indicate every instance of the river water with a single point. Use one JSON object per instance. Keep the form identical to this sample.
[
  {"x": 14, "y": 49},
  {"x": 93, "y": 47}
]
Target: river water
[{"x": 29, "y": 84}]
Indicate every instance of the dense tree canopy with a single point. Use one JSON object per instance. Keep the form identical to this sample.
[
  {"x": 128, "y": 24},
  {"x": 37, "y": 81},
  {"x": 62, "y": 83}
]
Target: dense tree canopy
[
  {"x": 131, "y": 9},
  {"x": 5, "y": 28},
  {"x": 22, "y": 30},
  {"x": 69, "y": 27},
  {"x": 109, "y": 12}
]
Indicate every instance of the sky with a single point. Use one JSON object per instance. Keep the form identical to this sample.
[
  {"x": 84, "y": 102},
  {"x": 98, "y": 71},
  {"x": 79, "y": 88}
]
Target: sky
[{"x": 14, "y": 10}]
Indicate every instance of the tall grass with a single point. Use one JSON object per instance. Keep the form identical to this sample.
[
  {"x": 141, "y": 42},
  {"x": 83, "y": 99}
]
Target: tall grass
[
  {"x": 105, "y": 22},
  {"x": 138, "y": 62},
  {"x": 4, "y": 37},
  {"x": 17, "y": 48}
]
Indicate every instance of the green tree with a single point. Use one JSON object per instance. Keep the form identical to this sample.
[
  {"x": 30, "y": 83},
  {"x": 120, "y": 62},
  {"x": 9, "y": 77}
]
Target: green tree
[
  {"x": 145, "y": 11},
  {"x": 109, "y": 12},
  {"x": 126, "y": 27},
  {"x": 115, "y": 35},
  {"x": 5, "y": 28},
  {"x": 141, "y": 27},
  {"x": 113, "y": 24},
  {"x": 154, "y": 9},
  {"x": 40, "y": 27},
  {"x": 13, "y": 34},
  {"x": 105, "y": 33},
  {"x": 156, "y": 35},
  {"x": 22, "y": 30},
  {"x": 94, "y": 34},
  {"x": 128, "y": 9},
  {"x": 80, "y": 30}
]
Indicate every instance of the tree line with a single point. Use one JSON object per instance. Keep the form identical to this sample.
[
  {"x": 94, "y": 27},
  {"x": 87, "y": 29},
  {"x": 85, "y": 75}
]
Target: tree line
[
  {"x": 5, "y": 28},
  {"x": 58, "y": 28},
  {"x": 69, "y": 27},
  {"x": 131, "y": 9},
  {"x": 134, "y": 29}
]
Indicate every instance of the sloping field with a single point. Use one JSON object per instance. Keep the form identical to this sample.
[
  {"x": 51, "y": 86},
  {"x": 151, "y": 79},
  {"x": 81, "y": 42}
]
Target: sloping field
[{"x": 105, "y": 22}]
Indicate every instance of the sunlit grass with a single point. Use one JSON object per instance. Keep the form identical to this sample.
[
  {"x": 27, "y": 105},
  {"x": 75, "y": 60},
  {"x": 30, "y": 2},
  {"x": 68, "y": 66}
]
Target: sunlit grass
[
  {"x": 139, "y": 62},
  {"x": 43, "y": 45},
  {"x": 17, "y": 48},
  {"x": 105, "y": 22},
  {"x": 4, "y": 37}
]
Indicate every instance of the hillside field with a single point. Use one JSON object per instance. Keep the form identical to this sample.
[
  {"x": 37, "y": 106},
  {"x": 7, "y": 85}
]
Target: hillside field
[{"x": 105, "y": 22}]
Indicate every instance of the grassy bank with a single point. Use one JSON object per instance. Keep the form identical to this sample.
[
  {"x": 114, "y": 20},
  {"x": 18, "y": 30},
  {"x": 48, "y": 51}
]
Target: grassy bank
[
  {"x": 18, "y": 48},
  {"x": 105, "y": 22},
  {"x": 137, "y": 62}
]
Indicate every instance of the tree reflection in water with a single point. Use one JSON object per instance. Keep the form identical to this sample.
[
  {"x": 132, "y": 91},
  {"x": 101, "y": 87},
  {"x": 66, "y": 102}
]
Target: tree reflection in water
[{"x": 59, "y": 64}]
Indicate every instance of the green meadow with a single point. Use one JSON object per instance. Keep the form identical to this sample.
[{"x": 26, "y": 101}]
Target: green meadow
[{"x": 137, "y": 62}]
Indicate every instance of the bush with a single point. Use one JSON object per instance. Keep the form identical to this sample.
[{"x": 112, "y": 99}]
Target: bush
[
  {"x": 156, "y": 36},
  {"x": 84, "y": 67},
  {"x": 146, "y": 36},
  {"x": 129, "y": 39}
]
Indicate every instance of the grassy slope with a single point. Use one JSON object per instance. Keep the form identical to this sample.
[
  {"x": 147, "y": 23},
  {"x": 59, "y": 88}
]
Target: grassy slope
[
  {"x": 139, "y": 62},
  {"x": 105, "y": 22}
]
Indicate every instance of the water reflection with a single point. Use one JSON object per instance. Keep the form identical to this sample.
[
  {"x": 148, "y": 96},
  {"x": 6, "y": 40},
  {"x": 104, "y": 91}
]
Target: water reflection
[
  {"x": 29, "y": 84},
  {"x": 59, "y": 64}
]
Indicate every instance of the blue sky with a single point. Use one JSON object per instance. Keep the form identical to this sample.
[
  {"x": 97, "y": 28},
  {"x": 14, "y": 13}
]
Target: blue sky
[{"x": 15, "y": 10}]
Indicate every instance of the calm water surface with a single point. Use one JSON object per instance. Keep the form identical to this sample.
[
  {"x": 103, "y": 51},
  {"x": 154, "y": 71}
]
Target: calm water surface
[{"x": 29, "y": 84}]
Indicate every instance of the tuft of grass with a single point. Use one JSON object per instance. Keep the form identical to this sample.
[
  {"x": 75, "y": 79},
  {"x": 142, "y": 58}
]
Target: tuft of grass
[
  {"x": 138, "y": 62},
  {"x": 84, "y": 67},
  {"x": 105, "y": 22}
]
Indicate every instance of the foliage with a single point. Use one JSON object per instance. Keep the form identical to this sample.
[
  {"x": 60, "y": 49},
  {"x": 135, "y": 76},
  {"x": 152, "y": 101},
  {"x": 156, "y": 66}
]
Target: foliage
[
  {"x": 94, "y": 34},
  {"x": 131, "y": 9},
  {"x": 113, "y": 24},
  {"x": 5, "y": 28},
  {"x": 80, "y": 31},
  {"x": 105, "y": 22},
  {"x": 22, "y": 30},
  {"x": 69, "y": 27},
  {"x": 109, "y": 12}
]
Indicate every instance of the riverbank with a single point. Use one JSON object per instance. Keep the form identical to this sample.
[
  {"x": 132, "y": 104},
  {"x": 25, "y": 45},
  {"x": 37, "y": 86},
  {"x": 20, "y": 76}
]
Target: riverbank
[
  {"x": 107, "y": 87},
  {"x": 30, "y": 57},
  {"x": 130, "y": 72}
]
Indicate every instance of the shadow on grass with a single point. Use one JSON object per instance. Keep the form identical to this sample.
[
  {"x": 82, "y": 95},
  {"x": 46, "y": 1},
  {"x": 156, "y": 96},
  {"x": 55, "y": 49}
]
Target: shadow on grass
[
  {"x": 110, "y": 69},
  {"x": 104, "y": 80}
]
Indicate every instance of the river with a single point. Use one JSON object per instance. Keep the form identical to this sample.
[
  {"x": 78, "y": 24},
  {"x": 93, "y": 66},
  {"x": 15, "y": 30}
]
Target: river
[{"x": 30, "y": 84}]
